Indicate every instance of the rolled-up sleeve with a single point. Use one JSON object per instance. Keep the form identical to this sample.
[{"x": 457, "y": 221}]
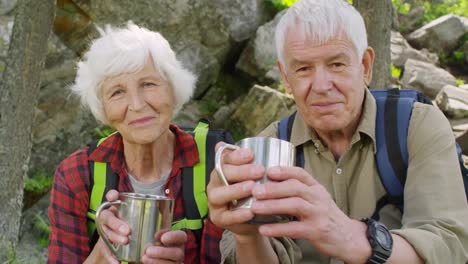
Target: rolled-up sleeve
[{"x": 435, "y": 219}]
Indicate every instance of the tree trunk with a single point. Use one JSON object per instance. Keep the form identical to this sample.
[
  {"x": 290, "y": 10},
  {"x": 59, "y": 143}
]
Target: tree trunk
[
  {"x": 18, "y": 98},
  {"x": 378, "y": 16}
]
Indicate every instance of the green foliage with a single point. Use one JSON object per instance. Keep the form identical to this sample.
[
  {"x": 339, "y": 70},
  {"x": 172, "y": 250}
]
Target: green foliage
[
  {"x": 209, "y": 106},
  {"x": 282, "y": 4},
  {"x": 104, "y": 131},
  {"x": 433, "y": 11},
  {"x": 11, "y": 255},
  {"x": 401, "y": 6},
  {"x": 38, "y": 183},
  {"x": 460, "y": 82},
  {"x": 395, "y": 71},
  {"x": 44, "y": 230}
]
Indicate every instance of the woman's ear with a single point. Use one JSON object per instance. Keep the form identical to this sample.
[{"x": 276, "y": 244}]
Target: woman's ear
[
  {"x": 287, "y": 86},
  {"x": 367, "y": 63}
]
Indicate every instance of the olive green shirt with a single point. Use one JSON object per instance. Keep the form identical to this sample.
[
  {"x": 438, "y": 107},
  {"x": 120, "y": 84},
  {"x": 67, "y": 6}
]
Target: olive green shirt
[{"x": 435, "y": 219}]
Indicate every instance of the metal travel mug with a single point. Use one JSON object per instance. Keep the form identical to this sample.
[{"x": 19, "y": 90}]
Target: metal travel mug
[
  {"x": 268, "y": 152},
  {"x": 147, "y": 216}
]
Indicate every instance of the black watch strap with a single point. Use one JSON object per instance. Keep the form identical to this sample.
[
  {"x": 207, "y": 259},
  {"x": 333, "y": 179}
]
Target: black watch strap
[{"x": 380, "y": 240}]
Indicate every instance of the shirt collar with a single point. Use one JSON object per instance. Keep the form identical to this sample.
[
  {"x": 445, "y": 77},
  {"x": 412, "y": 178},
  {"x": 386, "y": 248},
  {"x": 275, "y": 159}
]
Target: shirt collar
[
  {"x": 301, "y": 132},
  {"x": 111, "y": 150}
]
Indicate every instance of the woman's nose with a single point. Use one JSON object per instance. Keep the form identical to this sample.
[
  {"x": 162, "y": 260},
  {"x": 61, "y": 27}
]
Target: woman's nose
[{"x": 136, "y": 101}]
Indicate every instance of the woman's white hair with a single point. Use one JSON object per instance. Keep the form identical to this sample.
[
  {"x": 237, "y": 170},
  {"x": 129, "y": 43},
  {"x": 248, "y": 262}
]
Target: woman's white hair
[
  {"x": 321, "y": 21},
  {"x": 124, "y": 50}
]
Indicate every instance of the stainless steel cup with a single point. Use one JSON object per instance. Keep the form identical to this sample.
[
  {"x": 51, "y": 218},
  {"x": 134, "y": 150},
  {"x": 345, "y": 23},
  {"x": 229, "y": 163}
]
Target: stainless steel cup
[
  {"x": 147, "y": 215},
  {"x": 268, "y": 152}
]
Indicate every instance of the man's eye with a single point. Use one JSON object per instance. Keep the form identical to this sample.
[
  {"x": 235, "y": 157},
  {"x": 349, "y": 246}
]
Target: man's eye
[
  {"x": 337, "y": 65},
  {"x": 148, "y": 84},
  {"x": 303, "y": 69}
]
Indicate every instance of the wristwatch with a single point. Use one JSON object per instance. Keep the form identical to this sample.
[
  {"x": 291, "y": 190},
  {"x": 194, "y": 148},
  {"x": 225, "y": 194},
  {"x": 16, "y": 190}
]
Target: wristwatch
[{"x": 380, "y": 240}]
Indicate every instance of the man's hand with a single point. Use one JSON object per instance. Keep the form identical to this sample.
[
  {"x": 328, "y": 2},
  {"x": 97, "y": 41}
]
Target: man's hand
[
  {"x": 241, "y": 176},
  {"x": 320, "y": 221},
  {"x": 251, "y": 246}
]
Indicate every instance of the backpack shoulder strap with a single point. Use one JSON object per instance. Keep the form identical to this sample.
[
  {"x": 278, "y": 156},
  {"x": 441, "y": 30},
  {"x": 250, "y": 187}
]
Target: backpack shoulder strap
[
  {"x": 102, "y": 179},
  {"x": 195, "y": 179},
  {"x": 394, "y": 108},
  {"x": 284, "y": 133}
]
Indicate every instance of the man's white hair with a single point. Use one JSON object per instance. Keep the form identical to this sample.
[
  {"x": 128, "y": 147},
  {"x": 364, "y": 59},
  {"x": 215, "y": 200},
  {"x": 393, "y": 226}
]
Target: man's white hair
[
  {"x": 124, "y": 50},
  {"x": 321, "y": 21}
]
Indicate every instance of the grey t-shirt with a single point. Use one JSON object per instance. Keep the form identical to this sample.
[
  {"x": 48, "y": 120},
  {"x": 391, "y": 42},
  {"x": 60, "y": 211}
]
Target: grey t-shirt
[{"x": 154, "y": 188}]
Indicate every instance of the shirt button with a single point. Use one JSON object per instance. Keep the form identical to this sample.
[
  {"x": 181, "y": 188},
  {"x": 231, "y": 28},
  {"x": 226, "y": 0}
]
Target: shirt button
[
  {"x": 339, "y": 171},
  {"x": 316, "y": 151},
  {"x": 167, "y": 191},
  {"x": 316, "y": 144}
]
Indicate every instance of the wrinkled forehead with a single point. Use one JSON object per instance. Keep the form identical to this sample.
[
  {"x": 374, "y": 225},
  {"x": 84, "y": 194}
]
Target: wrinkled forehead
[{"x": 305, "y": 32}]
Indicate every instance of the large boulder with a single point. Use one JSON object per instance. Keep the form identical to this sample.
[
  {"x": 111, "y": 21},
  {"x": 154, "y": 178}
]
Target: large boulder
[
  {"x": 401, "y": 51},
  {"x": 203, "y": 33},
  {"x": 425, "y": 77},
  {"x": 439, "y": 35},
  {"x": 260, "y": 107},
  {"x": 464, "y": 20},
  {"x": 453, "y": 101},
  {"x": 259, "y": 57},
  {"x": 412, "y": 20},
  {"x": 6, "y": 6}
]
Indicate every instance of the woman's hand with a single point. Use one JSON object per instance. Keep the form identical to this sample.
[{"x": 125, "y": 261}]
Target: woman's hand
[
  {"x": 101, "y": 254},
  {"x": 115, "y": 229},
  {"x": 171, "y": 251}
]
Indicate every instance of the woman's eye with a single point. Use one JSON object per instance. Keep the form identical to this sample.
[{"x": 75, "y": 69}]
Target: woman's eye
[{"x": 116, "y": 92}]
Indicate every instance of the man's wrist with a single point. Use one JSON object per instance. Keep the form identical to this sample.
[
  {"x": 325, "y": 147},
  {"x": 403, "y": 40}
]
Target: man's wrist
[{"x": 358, "y": 249}]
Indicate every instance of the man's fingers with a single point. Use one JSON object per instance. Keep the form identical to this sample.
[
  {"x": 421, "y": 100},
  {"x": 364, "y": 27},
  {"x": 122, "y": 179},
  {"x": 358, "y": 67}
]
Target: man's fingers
[
  {"x": 287, "y": 188},
  {"x": 234, "y": 217},
  {"x": 281, "y": 173},
  {"x": 288, "y": 206},
  {"x": 223, "y": 195},
  {"x": 292, "y": 229}
]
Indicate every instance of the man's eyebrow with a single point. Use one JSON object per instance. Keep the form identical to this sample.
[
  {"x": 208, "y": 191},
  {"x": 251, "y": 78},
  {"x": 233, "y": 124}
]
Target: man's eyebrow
[
  {"x": 340, "y": 55},
  {"x": 295, "y": 62}
]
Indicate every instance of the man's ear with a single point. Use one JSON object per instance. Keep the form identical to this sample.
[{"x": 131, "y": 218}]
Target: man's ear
[
  {"x": 287, "y": 86},
  {"x": 367, "y": 63}
]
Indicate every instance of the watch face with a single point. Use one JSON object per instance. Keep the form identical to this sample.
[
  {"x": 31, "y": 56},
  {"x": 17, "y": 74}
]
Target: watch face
[{"x": 383, "y": 237}]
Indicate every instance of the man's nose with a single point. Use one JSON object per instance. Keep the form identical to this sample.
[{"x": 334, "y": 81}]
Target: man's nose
[{"x": 322, "y": 82}]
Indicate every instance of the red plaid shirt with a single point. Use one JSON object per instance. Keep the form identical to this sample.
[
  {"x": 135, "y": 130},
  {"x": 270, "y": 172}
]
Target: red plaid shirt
[{"x": 69, "y": 241}]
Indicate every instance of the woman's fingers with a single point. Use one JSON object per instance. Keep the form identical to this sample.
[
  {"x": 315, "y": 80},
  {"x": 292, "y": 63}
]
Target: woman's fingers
[{"x": 116, "y": 229}]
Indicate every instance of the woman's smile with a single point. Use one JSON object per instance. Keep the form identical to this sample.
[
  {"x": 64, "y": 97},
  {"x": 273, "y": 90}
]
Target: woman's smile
[{"x": 142, "y": 121}]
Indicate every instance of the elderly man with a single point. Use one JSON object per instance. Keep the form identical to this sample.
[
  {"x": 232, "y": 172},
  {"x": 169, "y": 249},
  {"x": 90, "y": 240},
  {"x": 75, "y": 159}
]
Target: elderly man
[{"x": 326, "y": 65}]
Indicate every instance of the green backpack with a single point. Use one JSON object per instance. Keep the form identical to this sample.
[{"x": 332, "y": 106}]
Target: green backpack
[{"x": 194, "y": 181}]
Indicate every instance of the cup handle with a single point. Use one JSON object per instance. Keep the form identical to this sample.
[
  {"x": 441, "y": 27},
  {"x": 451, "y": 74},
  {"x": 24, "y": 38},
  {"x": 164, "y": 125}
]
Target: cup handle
[
  {"x": 103, "y": 206},
  {"x": 219, "y": 170}
]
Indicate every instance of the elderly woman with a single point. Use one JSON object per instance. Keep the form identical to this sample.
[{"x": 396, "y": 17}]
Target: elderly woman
[{"x": 131, "y": 80}]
